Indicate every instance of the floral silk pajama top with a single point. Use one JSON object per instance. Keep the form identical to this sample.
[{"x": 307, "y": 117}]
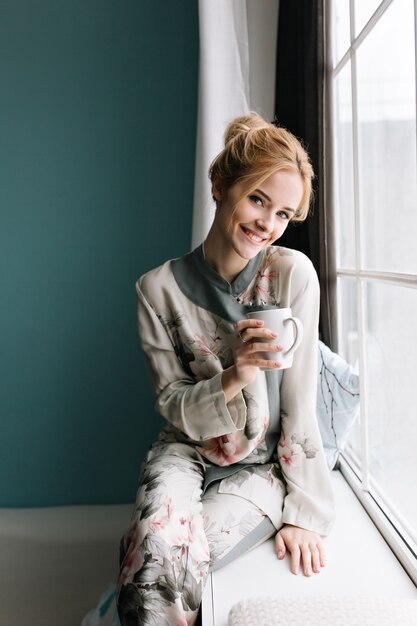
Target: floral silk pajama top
[{"x": 265, "y": 444}]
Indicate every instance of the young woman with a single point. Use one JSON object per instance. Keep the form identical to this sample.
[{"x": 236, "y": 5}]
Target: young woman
[{"x": 240, "y": 459}]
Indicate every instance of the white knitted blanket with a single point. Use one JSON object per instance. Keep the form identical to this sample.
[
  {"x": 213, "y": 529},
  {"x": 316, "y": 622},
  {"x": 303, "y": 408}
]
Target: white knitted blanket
[{"x": 325, "y": 611}]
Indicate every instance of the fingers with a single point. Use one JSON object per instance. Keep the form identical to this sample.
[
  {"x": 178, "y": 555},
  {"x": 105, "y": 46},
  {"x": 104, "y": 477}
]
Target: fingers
[
  {"x": 322, "y": 553},
  {"x": 252, "y": 344},
  {"x": 249, "y": 330},
  {"x": 306, "y": 558},
  {"x": 243, "y": 324},
  {"x": 262, "y": 346},
  {"x": 295, "y": 559},
  {"x": 253, "y": 328},
  {"x": 306, "y": 549},
  {"x": 294, "y": 550},
  {"x": 315, "y": 559},
  {"x": 280, "y": 546},
  {"x": 265, "y": 363},
  {"x": 317, "y": 555}
]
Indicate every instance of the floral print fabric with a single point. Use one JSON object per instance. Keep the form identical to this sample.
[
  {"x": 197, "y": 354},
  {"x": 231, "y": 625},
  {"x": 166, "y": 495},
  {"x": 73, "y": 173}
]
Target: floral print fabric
[
  {"x": 187, "y": 347},
  {"x": 177, "y": 533},
  {"x": 174, "y": 537}
]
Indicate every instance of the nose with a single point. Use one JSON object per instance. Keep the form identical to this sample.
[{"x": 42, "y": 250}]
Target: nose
[{"x": 266, "y": 222}]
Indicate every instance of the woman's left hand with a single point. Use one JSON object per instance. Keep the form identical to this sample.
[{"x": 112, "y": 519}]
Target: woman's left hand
[{"x": 304, "y": 545}]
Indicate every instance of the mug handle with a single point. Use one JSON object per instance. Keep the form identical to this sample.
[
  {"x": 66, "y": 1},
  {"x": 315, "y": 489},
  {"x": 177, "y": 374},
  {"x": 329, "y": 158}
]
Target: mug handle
[{"x": 298, "y": 327}]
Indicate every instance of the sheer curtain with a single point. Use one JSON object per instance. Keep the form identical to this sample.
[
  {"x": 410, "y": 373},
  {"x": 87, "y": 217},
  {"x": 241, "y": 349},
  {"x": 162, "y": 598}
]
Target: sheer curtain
[
  {"x": 237, "y": 74},
  {"x": 223, "y": 93}
]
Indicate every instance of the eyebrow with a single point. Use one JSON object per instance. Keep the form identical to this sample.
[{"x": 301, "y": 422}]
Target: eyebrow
[{"x": 262, "y": 193}]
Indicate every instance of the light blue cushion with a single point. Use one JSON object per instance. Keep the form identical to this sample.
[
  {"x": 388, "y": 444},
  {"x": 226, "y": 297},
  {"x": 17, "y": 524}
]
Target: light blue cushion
[{"x": 337, "y": 401}]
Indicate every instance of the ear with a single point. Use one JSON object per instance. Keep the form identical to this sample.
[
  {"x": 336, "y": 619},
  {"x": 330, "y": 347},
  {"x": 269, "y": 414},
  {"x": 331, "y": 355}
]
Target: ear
[{"x": 217, "y": 189}]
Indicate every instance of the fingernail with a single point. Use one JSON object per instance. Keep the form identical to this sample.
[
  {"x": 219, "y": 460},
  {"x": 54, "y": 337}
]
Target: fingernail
[
  {"x": 296, "y": 570},
  {"x": 259, "y": 322},
  {"x": 307, "y": 572},
  {"x": 280, "y": 553},
  {"x": 274, "y": 334}
]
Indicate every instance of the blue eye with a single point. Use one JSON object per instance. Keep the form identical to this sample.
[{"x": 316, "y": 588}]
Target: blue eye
[{"x": 256, "y": 200}]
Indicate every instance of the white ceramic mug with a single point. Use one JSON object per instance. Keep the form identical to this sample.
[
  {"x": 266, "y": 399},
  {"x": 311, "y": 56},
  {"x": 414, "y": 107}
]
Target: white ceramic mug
[{"x": 288, "y": 328}]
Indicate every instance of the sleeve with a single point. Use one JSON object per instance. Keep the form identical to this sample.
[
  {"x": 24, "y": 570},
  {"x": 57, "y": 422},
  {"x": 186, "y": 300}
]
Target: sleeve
[
  {"x": 198, "y": 409},
  {"x": 309, "y": 500}
]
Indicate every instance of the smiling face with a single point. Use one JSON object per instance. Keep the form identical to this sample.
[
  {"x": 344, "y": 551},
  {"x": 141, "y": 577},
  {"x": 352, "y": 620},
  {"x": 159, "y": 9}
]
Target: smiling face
[{"x": 245, "y": 225}]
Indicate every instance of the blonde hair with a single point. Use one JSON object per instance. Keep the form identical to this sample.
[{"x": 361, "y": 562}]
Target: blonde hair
[{"x": 254, "y": 149}]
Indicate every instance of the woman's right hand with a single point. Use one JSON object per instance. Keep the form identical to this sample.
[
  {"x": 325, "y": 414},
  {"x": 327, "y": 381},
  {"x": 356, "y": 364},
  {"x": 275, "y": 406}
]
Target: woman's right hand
[{"x": 248, "y": 355}]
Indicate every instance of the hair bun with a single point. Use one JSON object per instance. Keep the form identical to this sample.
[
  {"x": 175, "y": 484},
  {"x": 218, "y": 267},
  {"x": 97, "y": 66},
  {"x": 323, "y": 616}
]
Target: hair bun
[
  {"x": 243, "y": 125},
  {"x": 254, "y": 150}
]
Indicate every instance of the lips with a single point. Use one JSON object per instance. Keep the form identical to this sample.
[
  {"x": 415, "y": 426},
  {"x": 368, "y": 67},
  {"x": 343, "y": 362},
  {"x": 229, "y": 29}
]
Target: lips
[{"x": 253, "y": 236}]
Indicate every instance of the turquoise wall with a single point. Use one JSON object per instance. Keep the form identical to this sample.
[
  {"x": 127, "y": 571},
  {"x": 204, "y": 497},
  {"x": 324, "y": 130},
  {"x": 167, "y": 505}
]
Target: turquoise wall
[{"x": 97, "y": 128}]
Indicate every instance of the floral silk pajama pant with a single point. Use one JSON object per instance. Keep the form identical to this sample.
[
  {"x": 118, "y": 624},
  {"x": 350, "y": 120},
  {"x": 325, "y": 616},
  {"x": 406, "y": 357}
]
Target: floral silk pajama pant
[{"x": 175, "y": 536}]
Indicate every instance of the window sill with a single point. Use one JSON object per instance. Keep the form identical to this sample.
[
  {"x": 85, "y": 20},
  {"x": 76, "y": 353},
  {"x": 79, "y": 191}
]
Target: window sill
[
  {"x": 358, "y": 561},
  {"x": 400, "y": 542}
]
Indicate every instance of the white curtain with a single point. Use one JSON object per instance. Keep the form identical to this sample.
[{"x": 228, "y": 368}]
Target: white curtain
[
  {"x": 223, "y": 93},
  {"x": 237, "y": 58}
]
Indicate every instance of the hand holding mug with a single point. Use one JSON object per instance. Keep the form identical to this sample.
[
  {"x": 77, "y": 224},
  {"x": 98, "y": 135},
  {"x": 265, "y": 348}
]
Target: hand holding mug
[
  {"x": 253, "y": 342},
  {"x": 287, "y": 329}
]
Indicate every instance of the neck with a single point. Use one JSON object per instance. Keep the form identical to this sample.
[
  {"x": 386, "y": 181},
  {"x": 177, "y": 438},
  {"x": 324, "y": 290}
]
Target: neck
[{"x": 227, "y": 263}]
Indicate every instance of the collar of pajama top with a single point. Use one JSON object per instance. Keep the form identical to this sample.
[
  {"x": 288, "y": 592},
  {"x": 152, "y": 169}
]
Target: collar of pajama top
[{"x": 207, "y": 289}]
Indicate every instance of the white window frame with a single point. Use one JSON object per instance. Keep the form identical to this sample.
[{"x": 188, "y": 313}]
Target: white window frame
[{"x": 356, "y": 471}]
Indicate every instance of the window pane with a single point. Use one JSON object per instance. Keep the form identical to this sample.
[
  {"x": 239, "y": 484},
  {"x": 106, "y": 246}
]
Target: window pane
[
  {"x": 341, "y": 28},
  {"x": 348, "y": 345},
  {"x": 364, "y": 9},
  {"x": 345, "y": 213},
  {"x": 387, "y": 145},
  {"x": 391, "y": 349}
]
